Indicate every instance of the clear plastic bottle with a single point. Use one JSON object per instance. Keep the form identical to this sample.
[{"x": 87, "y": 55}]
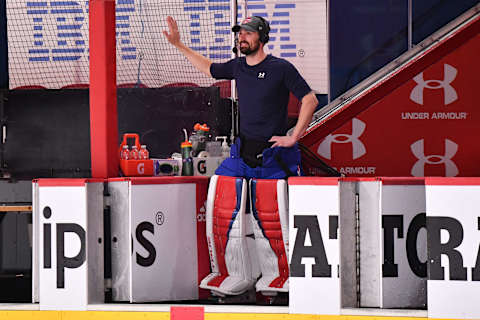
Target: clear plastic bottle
[
  {"x": 125, "y": 153},
  {"x": 134, "y": 155},
  {"x": 144, "y": 154},
  {"x": 225, "y": 149}
]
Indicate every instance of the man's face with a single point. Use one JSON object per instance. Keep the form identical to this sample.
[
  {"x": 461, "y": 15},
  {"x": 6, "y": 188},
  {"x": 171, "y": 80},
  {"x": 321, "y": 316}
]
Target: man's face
[{"x": 249, "y": 41}]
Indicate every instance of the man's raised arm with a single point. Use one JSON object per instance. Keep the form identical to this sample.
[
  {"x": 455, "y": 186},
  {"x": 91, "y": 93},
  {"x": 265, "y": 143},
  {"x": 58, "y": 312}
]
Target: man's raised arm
[{"x": 196, "y": 59}]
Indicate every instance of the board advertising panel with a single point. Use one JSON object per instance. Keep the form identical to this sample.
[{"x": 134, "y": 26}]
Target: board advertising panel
[
  {"x": 453, "y": 225},
  {"x": 159, "y": 250},
  {"x": 70, "y": 243},
  {"x": 314, "y": 246},
  {"x": 404, "y": 269}
]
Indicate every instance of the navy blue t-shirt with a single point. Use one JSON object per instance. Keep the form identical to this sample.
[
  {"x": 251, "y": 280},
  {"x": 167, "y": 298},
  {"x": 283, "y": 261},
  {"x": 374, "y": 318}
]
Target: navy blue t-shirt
[{"x": 263, "y": 93}]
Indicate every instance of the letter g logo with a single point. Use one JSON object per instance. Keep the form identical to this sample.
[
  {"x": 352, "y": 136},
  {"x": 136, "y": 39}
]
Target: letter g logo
[{"x": 141, "y": 168}]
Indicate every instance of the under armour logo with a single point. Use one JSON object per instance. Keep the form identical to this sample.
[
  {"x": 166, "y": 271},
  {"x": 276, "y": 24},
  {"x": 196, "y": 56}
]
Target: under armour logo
[
  {"x": 358, "y": 126},
  {"x": 418, "y": 168},
  {"x": 261, "y": 75},
  {"x": 449, "y": 92}
]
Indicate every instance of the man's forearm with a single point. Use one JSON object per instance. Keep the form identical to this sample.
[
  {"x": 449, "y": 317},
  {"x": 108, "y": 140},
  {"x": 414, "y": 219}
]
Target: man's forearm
[
  {"x": 196, "y": 59},
  {"x": 309, "y": 103}
]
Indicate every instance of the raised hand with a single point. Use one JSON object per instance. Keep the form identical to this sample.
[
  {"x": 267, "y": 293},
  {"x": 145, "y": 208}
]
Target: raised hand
[{"x": 173, "y": 36}]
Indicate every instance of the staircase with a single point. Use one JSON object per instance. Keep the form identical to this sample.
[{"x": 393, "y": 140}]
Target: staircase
[{"x": 417, "y": 116}]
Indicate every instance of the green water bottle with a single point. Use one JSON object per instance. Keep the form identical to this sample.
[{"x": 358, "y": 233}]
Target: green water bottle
[{"x": 187, "y": 161}]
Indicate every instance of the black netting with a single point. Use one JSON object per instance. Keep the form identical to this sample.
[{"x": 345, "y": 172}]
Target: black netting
[
  {"x": 48, "y": 41},
  {"x": 146, "y": 58}
]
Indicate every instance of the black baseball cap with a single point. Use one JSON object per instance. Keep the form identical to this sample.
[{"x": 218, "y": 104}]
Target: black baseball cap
[{"x": 255, "y": 24}]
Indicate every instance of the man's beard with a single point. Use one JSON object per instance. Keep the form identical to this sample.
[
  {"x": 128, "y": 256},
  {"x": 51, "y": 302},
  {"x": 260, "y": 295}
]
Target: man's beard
[{"x": 249, "y": 50}]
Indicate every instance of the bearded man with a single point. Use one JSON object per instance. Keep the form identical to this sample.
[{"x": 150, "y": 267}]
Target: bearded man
[{"x": 264, "y": 82}]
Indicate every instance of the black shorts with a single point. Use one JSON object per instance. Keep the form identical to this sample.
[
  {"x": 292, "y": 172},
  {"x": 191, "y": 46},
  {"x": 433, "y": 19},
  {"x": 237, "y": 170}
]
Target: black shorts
[{"x": 251, "y": 151}]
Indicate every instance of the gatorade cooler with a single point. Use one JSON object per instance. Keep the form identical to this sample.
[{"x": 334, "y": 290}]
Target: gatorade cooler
[{"x": 135, "y": 168}]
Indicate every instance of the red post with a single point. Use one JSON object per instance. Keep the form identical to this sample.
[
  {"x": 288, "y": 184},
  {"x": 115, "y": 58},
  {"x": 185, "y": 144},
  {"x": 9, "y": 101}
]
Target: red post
[{"x": 103, "y": 90}]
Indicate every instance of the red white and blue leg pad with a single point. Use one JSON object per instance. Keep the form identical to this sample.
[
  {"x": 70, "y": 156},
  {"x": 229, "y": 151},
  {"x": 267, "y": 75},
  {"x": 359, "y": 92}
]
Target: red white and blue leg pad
[
  {"x": 270, "y": 225},
  {"x": 232, "y": 271}
]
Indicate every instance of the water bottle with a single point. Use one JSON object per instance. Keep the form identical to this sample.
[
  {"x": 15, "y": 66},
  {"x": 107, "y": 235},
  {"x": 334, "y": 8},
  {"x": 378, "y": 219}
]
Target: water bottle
[
  {"x": 201, "y": 134},
  {"x": 144, "y": 154},
  {"x": 187, "y": 161},
  {"x": 194, "y": 139},
  {"x": 225, "y": 148},
  {"x": 134, "y": 153},
  {"x": 125, "y": 153}
]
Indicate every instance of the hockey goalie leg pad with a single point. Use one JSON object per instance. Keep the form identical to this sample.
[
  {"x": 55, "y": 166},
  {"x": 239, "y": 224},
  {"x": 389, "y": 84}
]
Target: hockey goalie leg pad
[
  {"x": 231, "y": 268},
  {"x": 270, "y": 220}
]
